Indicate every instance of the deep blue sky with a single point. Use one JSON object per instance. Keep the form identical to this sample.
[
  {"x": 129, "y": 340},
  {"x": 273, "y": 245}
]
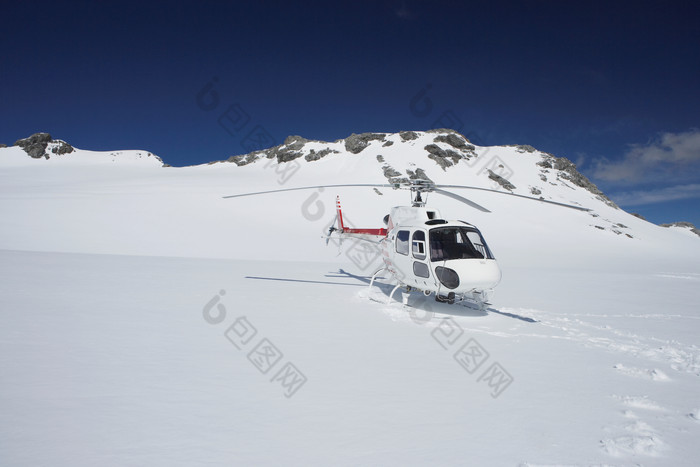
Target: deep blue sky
[{"x": 614, "y": 86}]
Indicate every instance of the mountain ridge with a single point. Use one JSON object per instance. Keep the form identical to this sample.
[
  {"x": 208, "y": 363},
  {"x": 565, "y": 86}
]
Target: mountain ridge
[{"x": 445, "y": 148}]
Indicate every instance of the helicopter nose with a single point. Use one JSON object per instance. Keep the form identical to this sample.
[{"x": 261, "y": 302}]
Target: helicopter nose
[{"x": 463, "y": 276}]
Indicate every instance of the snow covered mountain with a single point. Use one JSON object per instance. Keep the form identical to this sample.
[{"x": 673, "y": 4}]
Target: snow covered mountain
[
  {"x": 167, "y": 210},
  {"x": 136, "y": 303}
]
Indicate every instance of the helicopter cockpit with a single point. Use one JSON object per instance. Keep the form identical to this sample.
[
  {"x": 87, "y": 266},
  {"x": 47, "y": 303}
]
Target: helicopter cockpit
[{"x": 455, "y": 242}]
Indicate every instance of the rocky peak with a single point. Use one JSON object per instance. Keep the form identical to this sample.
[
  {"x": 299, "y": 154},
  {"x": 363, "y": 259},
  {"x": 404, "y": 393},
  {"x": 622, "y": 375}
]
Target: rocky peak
[
  {"x": 568, "y": 171},
  {"x": 446, "y": 147},
  {"x": 37, "y": 145},
  {"x": 357, "y": 143}
]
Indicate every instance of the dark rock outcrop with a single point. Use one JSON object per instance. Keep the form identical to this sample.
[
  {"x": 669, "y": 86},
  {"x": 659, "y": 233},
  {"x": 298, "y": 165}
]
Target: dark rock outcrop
[
  {"x": 679, "y": 224},
  {"x": 314, "y": 156},
  {"x": 568, "y": 171},
  {"x": 442, "y": 130},
  {"x": 390, "y": 173},
  {"x": 686, "y": 225},
  {"x": 35, "y": 145},
  {"x": 501, "y": 181},
  {"x": 62, "y": 148},
  {"x": 522, "y": 148},
  {"x": 288, "y": 151},
  {"x": 357, "y": 143},
  {"x": 292, "y": 148},
  {"x": 444, "y": 157},
  {"x": 455, "y": 140},
  {"x": 408, "y": 135},
  {"x": 419, "y": 174},
  {"x": 244, "y": 159}
]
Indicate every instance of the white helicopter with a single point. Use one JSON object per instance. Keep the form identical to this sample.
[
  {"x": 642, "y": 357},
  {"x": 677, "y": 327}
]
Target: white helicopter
[{"x": 424, "y": 252}]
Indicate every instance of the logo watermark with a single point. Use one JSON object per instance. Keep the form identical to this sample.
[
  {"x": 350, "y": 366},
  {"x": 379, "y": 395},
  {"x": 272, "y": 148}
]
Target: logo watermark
[
  {"x": 284, "y": 171},
  {"x": 421, "y": 106},
  {"x": 362, "y": 253},
  {"x": 234, "y": 119},
  {"x": 263, "y": 354},
  {"x": 471, "y": 356}
]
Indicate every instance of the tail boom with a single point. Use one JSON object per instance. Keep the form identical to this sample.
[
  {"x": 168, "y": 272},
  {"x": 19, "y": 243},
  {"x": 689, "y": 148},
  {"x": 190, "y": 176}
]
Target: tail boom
[{"x": 348, "y": 230}]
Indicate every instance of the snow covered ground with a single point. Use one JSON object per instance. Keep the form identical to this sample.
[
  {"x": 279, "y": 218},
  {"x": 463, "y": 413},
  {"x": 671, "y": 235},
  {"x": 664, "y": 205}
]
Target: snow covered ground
[{"x": 146, "y": 321}]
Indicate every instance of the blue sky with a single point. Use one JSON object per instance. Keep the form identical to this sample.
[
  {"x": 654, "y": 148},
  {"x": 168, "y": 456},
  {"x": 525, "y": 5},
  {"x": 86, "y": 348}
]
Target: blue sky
[{"x": 613, "y": 86}]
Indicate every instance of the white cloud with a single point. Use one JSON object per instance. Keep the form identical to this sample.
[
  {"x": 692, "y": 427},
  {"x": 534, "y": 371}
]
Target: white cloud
[
  {"x": 659, "y": 195},
  {"x": 671, "y": 156}
]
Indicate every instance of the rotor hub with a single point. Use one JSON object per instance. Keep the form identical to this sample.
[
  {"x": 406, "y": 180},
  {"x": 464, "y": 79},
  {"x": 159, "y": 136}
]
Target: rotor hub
[{"x": 418, "y": 186}]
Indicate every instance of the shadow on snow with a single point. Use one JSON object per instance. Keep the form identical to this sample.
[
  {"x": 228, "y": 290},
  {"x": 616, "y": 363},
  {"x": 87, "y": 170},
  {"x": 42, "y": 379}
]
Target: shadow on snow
[{"x": 421, "y": 302}]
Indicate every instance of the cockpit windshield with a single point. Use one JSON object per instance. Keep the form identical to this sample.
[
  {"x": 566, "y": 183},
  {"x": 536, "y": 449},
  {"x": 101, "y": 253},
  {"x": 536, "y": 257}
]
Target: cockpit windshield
[{"x": 448, "y": 243}]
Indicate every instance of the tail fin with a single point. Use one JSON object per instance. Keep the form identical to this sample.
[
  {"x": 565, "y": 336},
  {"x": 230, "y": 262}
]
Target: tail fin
[
  {"x": 339, "y": 212},
  {"x": 349, "y": 230}
]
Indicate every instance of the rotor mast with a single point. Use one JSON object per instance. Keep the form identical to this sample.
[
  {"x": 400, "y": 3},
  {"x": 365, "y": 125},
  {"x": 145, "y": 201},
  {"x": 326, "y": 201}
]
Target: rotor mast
[{"x": 418, "y": 187}]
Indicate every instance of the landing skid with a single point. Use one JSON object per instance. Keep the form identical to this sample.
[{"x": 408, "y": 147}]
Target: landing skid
[{"x": 474, "y": 300}]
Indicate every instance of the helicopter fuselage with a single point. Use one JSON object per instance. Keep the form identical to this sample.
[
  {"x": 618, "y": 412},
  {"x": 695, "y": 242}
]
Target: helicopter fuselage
[{"x": 433, "y": 255}]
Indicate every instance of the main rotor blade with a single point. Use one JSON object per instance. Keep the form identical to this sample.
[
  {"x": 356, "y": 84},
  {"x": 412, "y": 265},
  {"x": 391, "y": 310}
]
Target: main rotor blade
[
  {"x": 431, "y": 187},
  {"x": 466, "y": 187},
  {"x": 312, "y": 188},
  {"x": 460, "y": 198}
]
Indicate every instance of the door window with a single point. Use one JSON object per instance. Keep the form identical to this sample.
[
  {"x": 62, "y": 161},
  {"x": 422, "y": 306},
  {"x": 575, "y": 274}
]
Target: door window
[
  {"x": 402, "y": 242},
  {"x": 418, "y": 244}
]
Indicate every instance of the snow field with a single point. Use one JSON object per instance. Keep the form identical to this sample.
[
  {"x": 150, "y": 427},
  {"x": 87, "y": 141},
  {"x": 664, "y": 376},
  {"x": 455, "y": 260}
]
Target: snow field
[{"x": 145, "y": 320}]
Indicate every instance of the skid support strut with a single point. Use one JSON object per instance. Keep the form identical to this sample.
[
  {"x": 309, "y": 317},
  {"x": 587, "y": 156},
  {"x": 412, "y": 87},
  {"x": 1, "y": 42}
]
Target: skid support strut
[
  {"x": 391, "y": 296},
  {"x": 374, "y": 276}
]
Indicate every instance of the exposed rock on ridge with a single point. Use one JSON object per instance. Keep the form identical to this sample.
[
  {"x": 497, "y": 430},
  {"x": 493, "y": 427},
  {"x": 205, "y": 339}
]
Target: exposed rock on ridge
[
  {"x": 686, "y": 225},
  {"x": 568, "y": 171},
  {"x": 292, "y": 148},
  {"x": 447, "y": 149},
  {"x": 37, "y": 144},
  {"x": 357, "y": 143},
  {"x": 501, "y": 181},
  {"x": 449, "y": 157}
]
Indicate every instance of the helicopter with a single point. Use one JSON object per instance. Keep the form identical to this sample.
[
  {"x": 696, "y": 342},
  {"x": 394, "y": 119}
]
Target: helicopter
[{"x": 422, "y": 251}]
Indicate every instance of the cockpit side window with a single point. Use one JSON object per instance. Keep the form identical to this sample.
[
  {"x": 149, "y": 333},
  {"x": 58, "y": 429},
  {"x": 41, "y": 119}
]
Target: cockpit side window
[
  {"x": 418, "y": 245},
  {"x": 402, "y": 242},
  {"x": 478, "y": 242}
]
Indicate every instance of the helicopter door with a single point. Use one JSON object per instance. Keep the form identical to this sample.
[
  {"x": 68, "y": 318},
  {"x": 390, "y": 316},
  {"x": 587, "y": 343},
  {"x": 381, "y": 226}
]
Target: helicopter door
[
  {"x": 402, "y": 257},
  {"x": 418, "y": 250}
]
